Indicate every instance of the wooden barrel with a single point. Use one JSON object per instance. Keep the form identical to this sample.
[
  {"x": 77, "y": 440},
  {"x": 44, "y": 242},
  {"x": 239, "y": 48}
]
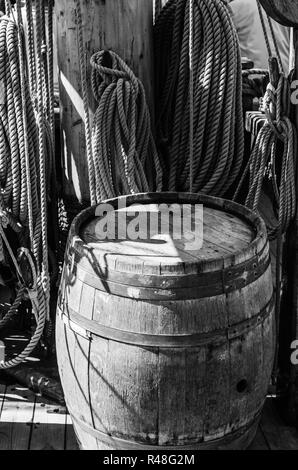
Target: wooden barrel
[{"x": 166, "y": 343}]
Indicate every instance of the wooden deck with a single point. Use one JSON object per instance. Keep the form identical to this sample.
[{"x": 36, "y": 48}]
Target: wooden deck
[{"x": 30, "y": 422}]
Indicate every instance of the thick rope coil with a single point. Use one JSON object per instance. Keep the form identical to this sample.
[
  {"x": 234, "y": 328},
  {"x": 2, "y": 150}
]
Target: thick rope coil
[
  {"x": 16, "y": 145},
  {"x": 218, "y": 140},
  {"x": 122, "y": 143},
  {"x": 13, "y": 310},
  {"x": 120, "y": 149},
  {"x": 44, "y": 281},
  {"x": 31, "y": 48}
]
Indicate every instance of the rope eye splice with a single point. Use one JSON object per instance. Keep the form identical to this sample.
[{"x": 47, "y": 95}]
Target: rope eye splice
[{"x": 26, "y": 147}]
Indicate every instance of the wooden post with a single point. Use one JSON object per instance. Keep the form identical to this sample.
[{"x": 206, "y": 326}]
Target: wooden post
[{"x": 124, "y": 26}]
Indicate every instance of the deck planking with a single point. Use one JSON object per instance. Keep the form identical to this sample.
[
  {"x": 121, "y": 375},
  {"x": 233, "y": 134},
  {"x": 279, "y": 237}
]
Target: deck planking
[
  {"x": 48, "y": 427},
  {"x": 31, "y": 422},
  {"x": 16, "y": 418}
]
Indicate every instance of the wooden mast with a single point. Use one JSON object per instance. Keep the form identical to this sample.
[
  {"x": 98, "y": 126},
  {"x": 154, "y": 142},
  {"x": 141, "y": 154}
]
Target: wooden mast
[
  {"x": 286, "y": 13},
  {"x": 124, "y": 26}
]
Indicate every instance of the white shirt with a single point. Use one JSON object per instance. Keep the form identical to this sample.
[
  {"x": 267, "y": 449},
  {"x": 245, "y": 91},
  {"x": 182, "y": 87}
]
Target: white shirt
[{"x": 248, "y": 24}]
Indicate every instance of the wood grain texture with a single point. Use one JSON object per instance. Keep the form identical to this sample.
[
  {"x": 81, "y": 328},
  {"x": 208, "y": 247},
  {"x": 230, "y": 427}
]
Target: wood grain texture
[
  {"x": 123, "y": 26},
  {"x": 166, "y": 253},
  {"x": 222, "y": 234},
  {"x": 207, "y": 392},
  {"x": 283, "y": 11}
]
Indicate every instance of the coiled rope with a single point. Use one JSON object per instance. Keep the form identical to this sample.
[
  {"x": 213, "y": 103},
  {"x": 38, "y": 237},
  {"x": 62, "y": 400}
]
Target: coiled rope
[
  {"x": 25, "y": 147},
  {"x": 264, "y": 162},
  {"x": 121, "y": 152},
  {"x": 218, "y": 140},
  {"x": 122, "y": 142},
  {"x": 264, "y": 158},
  {"x": 83, "y": 69}
]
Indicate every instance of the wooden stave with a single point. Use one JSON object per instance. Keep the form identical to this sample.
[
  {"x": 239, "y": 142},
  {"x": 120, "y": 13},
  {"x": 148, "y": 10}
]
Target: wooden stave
[
  {"x": 86, "y": 348},
  {"x": 238, "y": 440},
  {"x": 216, "y": 432},
  {"x": 174, "y": 288},
  {"x": 174, "y": 317},
  {"x": 94, "y": 331}
]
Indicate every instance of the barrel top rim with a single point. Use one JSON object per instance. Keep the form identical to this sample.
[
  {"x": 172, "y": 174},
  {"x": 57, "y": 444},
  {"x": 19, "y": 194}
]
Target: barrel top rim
[{"x": 253, "y": 219}]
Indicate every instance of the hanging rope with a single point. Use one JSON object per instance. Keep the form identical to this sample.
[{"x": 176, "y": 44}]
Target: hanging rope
[
  {"x": 31, "y": 48},
  {"x": 263, "y": 162},
  {"x": 218, "y": 140},
  {"x": 44, "y": 281},
  {"x": 26, "y": 153},
  {"x": 91, "y": 170},
  {"x": 121, "y": 153},
  {"x": 264, "y": 158},
  {"x": 122, "y": 142},
  {"x": 266, "y": 35}
]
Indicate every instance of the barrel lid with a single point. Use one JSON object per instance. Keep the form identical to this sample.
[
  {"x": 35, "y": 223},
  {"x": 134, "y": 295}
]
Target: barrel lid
[{"x": 168, "y": 231}]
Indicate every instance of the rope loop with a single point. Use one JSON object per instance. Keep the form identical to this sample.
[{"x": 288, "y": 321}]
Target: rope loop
[{"x": 118, "y": 70}]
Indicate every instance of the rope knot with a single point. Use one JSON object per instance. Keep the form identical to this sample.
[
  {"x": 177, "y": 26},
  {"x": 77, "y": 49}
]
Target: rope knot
[
  {"x": 108, "y": 68},
  {"x": 269, "y": 102}
]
